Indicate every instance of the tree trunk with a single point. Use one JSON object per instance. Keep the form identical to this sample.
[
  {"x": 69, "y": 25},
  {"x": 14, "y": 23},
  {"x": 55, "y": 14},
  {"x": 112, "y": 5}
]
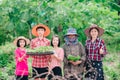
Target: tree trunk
[
  {"x": 29, "y": 29},
  {"x": 30, "y": 34}
]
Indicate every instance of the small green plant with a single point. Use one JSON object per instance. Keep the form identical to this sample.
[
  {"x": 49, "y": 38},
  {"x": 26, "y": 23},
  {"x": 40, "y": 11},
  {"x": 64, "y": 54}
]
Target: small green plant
[
  {"x": 73, "y": 58},
  {"x": 10, "y": 68},
  {"x": 3, "y": 75}
]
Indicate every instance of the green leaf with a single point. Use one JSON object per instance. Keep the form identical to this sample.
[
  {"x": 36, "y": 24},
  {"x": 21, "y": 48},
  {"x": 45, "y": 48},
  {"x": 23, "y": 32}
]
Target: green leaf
[
  {"x": 115, "y": 6},
  {"x": 80, "y": 0},
  {"x": 10, "y": 26}
]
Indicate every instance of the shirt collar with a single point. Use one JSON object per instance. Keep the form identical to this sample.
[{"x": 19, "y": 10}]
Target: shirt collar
[
  {"x": 20, "y": 49},
  {"x": 97, "y": 40},
  {"x": 43, "y": 39}
]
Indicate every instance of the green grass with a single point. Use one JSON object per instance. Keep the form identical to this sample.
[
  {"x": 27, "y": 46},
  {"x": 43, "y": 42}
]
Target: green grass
[{"x": 111, "y": 65}]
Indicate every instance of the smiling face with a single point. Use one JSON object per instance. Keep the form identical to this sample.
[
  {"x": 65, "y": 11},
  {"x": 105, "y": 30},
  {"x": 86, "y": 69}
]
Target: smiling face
[
  {"x": 40, "y": 31},
  {"x": 21, "y": 43},
  {"x": 94, "y": 33},
  {"x": 55, "y": 41}
]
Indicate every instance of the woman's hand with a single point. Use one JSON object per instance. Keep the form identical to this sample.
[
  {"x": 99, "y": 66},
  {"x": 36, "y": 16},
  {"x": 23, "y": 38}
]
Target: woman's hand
[
  {"x": 76, "y": 62},
  {"x": 101, "y": 51},
  {"x": 54, "y": 56}
]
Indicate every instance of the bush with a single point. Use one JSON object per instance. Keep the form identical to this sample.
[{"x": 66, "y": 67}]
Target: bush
[
  {"x": 10, "y": 68},
  {"x": 3, "y": 75},
  {"x": 3, "y": 60},
  {"x": 7, "y": 65}
]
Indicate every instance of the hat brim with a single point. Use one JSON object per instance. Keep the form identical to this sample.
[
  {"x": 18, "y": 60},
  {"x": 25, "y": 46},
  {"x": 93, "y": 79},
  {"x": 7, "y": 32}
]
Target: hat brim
[
  {"x": 87, "y": 30},
  {"x": 71, "y": 34},
  {"x": 47, "y": 30},
  {"x": 21, "y": 37}
]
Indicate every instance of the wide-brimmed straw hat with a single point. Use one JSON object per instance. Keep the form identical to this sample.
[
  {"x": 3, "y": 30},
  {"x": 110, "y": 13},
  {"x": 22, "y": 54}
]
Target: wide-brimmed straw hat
[
  {"x": 47, "y": 30},
  {"x": 21, "y": 37},
  {"x": 71, "y": 31},
  {"x": 87, "y": 30}
]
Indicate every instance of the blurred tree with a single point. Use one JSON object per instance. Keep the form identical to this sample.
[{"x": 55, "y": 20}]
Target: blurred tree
[{"x": 17, "y": 17}]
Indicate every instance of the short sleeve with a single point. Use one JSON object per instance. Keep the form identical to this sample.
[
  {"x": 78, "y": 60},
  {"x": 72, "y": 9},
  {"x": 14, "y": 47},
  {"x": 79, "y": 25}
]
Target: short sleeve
[{"x": 31, "y": 44}]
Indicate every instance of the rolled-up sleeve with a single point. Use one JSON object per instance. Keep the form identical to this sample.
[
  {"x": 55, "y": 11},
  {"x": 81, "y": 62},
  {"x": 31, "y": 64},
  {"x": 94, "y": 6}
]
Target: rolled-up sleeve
[
  {"x": 83, "y": 54},
  {"x": 32, "y": 44},
  {"x": 103, "y": 46}
]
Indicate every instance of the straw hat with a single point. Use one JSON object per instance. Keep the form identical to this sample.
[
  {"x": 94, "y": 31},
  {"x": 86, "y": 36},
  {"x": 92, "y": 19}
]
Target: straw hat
[
  {"x": 87, "y": 30},
  {"x": 71, "y": 31},
  {"x": 47, "y": 30},
  {"x": 21, "y": 37}
]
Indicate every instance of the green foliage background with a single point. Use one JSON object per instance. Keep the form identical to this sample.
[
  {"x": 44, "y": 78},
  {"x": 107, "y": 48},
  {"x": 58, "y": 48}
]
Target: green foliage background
[{"x": 17, "y": 17}]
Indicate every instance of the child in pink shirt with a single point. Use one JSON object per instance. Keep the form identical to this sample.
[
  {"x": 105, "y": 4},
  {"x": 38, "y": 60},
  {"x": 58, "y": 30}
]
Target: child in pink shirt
[
  {"x": 56, "y": 58},
  {"x": 21, "y": 71}
]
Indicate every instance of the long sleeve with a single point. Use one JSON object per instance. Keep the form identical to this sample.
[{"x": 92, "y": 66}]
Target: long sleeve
[
  {"x": 17, "y": 55},
  {"x": 65, "y": 56},
  {"x": 83, "y": 54},
  {"x": 103, "y": 46},
  {"x": 86, "y": 51},
  {"x": 32, "y": 46}
]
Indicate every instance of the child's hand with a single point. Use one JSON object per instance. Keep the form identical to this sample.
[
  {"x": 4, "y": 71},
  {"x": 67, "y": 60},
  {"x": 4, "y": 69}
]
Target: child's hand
[
  {"x": 19, "y": 59},
  {"x": 24, "y": 55}
]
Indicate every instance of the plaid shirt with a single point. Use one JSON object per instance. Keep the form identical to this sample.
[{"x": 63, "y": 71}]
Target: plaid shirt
[
  {"x": 92, "y": 49},
  {"x": 43, "y": 60}
]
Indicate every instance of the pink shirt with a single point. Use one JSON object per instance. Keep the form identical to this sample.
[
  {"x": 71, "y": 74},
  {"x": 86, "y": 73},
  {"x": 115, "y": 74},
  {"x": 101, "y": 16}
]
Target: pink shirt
[
  {"x": 56, "y": 63},
  {"x": 21, "y": 66}
]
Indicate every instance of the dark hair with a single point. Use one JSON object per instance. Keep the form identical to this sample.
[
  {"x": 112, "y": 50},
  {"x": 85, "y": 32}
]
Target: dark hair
[
  {"x": 94, "y": 28},
  {"x": 40, "y": 27},
  {"x": 58, "y": 40},
  {"x": 18, "y": 42}
]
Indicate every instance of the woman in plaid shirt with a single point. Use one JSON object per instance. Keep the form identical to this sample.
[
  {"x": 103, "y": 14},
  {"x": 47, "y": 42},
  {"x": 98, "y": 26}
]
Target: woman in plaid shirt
[{"x": 96, "y": 50}]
